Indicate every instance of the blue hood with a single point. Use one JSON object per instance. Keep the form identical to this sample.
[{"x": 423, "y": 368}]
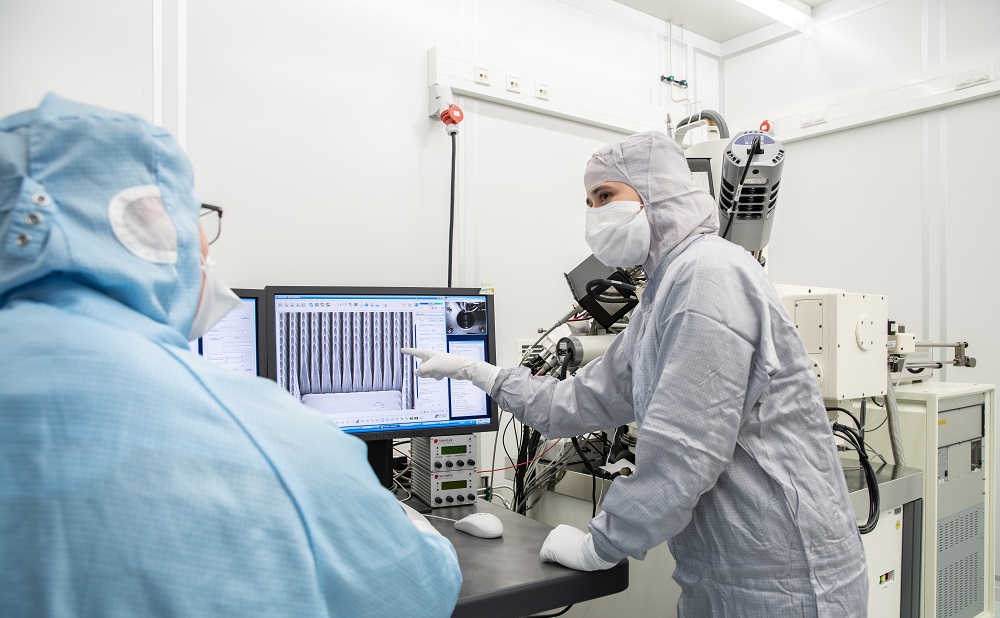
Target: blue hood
[{"x": 61, "y": 166}]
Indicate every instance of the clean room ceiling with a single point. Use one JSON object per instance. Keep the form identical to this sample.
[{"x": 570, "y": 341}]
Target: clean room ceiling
[{"x": 719, "y": 20}]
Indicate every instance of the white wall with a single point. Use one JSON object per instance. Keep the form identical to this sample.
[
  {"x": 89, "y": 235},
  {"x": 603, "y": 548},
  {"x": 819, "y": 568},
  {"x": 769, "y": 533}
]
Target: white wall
[
  {"x": 307, "y": 121},
  {"x": 879, "y": 45},
  {"x": 98, "y": 52},
  {"x": 903, "y": 207}
]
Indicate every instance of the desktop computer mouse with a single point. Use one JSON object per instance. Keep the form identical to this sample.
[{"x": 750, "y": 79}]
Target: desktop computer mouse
[{"x": 483, "y": 525}]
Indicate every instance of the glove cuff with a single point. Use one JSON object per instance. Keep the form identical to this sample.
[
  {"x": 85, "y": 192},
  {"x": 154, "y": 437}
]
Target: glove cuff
[
  {"x": 485, "y": 376},
  {"x": 588, "y": 555}
]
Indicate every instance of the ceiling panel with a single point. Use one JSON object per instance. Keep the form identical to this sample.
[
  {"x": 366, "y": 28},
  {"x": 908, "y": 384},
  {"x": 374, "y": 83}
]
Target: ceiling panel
[{"x": 719, "y": 20}]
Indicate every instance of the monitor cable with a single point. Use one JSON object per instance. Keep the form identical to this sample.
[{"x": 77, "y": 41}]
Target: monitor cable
[
  {"x": 450, "y": 116},
  {"x": 451, "y": 216}
]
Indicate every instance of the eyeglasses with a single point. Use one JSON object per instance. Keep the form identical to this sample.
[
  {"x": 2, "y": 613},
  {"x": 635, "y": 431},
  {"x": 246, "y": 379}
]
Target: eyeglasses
[{"x": 212, "y": 225}]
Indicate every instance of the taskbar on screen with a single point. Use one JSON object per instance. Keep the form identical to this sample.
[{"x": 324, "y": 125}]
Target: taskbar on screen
[{"x": 408, "y": 426}]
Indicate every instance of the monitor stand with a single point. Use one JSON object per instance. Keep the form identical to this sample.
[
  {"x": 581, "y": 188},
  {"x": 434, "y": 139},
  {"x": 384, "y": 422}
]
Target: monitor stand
[{"x": 380, "y": 459}]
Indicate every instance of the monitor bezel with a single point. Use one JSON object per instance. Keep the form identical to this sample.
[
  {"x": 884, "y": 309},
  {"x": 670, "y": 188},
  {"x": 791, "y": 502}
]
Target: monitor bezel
[
  {"x": 272, "y": 366},
  {"x": 261, "y": 317}
]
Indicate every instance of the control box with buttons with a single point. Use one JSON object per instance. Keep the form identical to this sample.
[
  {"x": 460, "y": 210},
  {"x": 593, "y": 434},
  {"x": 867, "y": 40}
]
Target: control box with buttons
[
  {"x": 444, "y": 469},
  {"x": 444, "y": 452},
  {"x": 439, "y": 489}
]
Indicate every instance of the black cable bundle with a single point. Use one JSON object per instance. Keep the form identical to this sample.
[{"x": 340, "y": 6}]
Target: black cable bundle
[
  {"x": 530, "y": 441},
  {"x": 620, "y": 447},
  {"x": 853, "y": 437},
  {"x": 526, "y": 480},
  {"x": 593, "y": 475}
]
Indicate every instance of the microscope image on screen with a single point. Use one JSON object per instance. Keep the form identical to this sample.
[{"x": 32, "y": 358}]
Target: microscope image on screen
[
  {"x": 465, "y": 318},
  {"x": 347, "y": 362}
]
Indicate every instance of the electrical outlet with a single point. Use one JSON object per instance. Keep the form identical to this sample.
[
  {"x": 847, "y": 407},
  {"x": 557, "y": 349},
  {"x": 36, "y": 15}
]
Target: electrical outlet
[
  {"x": 483, "y": 76},
  {"x": 974, "y": 77},
  {"x": 542, "y": 92},
  {"x": 982, "y": 74},
  {"x": 812, "y": 117},
  {"x": 513, "y": 83}
]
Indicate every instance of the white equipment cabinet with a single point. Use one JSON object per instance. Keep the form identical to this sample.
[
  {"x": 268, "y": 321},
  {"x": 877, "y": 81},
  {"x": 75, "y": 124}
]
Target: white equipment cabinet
[
  {"x": 884, "y": 553},
  {"x": 845, "y": 336},
  {"x": 947, "y": 431}
]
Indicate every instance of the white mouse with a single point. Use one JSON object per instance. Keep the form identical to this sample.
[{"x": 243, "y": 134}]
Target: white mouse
[{"x": 483, "y": 525}]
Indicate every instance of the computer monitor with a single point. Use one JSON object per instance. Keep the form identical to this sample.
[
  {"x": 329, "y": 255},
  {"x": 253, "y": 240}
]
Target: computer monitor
[
  {"x": 337, "y": 350},
  {"x": 237, "y": 341}
]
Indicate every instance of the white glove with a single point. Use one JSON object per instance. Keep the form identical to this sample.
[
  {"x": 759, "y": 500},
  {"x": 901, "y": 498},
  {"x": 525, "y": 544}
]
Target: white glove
[
  {"x": 440, "y": 365},
  {"x": 573, "y": 548}
]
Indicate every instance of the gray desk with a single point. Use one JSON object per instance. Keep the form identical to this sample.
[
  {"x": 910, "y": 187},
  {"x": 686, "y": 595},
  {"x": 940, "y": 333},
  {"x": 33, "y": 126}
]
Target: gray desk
[{"x": 505, "y": 577}]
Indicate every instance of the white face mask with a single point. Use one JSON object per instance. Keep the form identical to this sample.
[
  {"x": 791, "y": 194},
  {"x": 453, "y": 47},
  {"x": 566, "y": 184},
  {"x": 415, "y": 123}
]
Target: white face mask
[
  {"x": 216, "y": 301},
  {"x": 618, "y": 233}
]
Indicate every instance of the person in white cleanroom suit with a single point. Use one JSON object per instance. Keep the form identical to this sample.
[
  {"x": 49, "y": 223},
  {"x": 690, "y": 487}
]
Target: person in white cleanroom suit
[
  {"x": 735, "y": 464},
  {"x": 137, "y": 478}
]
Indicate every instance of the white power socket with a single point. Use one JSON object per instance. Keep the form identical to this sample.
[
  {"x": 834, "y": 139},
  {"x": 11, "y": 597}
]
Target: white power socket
[
  {"x": 974, "y": 77},
  {"x": 811, "y": 117},
  {"x": 513, "y": 84},
  {"x": 542, "y": 91},
  {"x": 483, "y": 76}
]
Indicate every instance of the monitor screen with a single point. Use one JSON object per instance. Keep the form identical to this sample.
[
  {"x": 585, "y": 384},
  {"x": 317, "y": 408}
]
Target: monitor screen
[
  {"x": 338, "y": 351},
  {"x": 236, "y": 341}
]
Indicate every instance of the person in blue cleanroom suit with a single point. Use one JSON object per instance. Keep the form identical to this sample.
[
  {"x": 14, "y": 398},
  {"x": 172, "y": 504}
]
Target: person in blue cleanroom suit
[
  {"x": 136, "y": 478},
  {"x": 735, "y": 464}
]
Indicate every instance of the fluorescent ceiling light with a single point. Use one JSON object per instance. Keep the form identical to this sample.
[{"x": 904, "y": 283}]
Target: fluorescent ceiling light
[{"x": 792, "y": 13}]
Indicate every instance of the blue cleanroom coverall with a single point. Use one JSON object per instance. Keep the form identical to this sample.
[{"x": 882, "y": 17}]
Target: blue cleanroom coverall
[{"x": 136, "y": 478}]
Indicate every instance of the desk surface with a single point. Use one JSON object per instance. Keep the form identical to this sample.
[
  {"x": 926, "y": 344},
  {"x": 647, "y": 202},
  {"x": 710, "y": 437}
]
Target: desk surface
[
  {"x": 896, "y": 485},
  {"x": 505, "y": 576}
]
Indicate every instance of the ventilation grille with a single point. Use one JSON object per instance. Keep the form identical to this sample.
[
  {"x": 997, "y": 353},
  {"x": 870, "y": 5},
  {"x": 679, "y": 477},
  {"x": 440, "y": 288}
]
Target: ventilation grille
[
  {"x": 959, "y": 587},
  {"x": 963, "y": 528},
  {"x": 756, "y": 202},
  {"x": 522, "y": 348}
]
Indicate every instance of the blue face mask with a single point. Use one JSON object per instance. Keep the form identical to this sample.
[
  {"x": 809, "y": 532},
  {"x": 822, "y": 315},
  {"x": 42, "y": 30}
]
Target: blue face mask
[
  {"x": 618, "y": 233},
  {"x": 216, "y": 301}
]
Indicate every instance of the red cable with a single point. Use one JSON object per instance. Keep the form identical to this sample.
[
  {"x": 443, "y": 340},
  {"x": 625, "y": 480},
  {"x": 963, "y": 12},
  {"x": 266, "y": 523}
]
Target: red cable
[{"x": 525, "y": 463}]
